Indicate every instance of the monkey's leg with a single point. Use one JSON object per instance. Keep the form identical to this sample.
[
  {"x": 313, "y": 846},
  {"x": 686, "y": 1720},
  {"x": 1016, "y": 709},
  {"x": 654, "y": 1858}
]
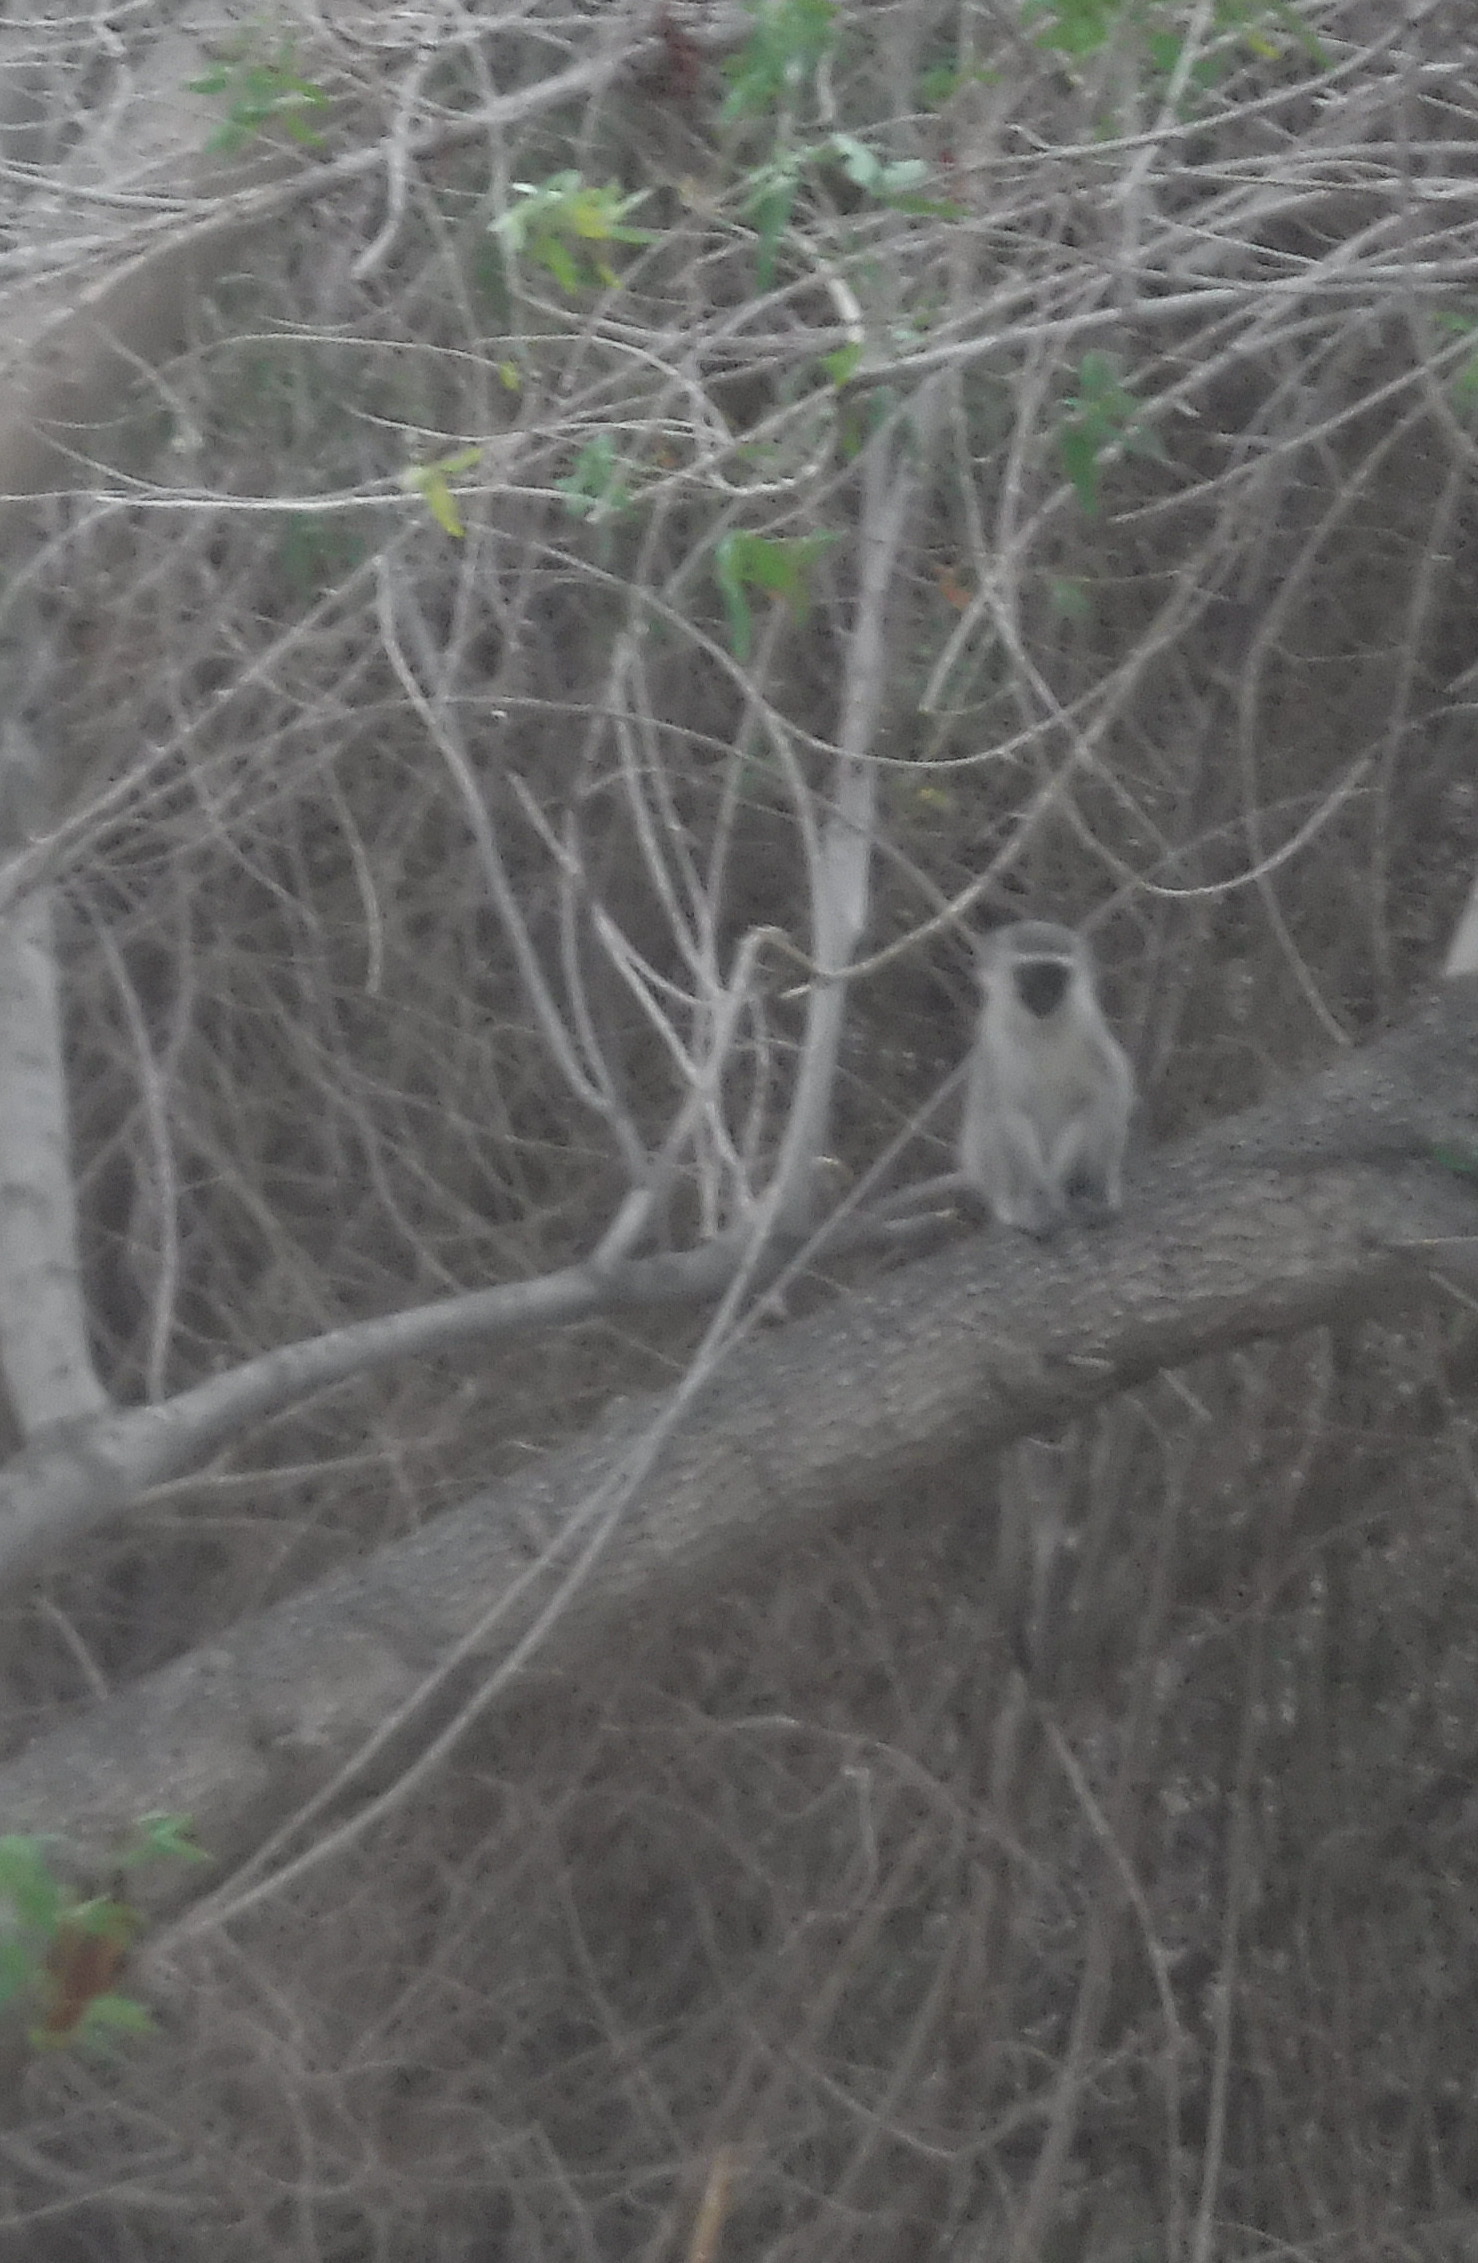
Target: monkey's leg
[
  {"x": 1028, "y": 1196},
  {"x": 1089, "y": 1168}
]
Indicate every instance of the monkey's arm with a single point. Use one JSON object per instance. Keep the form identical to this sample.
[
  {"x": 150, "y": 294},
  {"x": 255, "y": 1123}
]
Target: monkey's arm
[{"x": 1013, "y": 1173}]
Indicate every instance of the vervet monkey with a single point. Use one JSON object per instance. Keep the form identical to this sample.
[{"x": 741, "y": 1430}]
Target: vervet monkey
[{"x": 1050, "y": 1089}]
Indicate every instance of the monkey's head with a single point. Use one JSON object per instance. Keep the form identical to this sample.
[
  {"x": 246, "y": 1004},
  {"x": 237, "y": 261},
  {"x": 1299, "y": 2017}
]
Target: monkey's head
[{"x": 1038, "y": 959}]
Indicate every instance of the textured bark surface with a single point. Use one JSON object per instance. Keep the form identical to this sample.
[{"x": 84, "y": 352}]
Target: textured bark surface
[{"x": 857, "y": 1409}]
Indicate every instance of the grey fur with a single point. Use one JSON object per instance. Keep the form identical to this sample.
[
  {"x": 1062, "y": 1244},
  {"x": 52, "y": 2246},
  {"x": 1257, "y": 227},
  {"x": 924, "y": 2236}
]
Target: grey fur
[{"x": 1050, "y": 1089}]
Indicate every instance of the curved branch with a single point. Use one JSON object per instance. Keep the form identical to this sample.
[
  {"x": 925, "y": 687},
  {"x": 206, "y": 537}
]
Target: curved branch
[{"x": 893, "y": 1396}]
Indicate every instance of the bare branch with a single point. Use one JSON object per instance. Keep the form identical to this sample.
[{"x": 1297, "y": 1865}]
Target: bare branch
[
  {"x": 44, "y": 1346},
  {"x": 830, "y": 1418},
  {"x": 841, "y": 864}
]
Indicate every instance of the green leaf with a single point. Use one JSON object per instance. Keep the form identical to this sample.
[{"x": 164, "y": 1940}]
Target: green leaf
[
  {"x": 20, "y": 1963},
  {"x": 121, "y": 2013},
  {"x": 768, "y": 202},
  {"x": 772, "y": 218},
  {"x": 559, "y": 260},
  {"x": 27, "y": 1882},
  {"x": 789, "y": 42},
  {"x": 787, "y": 566},
  {"x": 769, "y": 564},
  {"x": 860, "y": 164},
  {"x": 594, "y": 488},
  {"x": 901, "y": 176},
  {"x": 1078, "y": 29},
  {"x": 298, "y": 128},
  {"x": 431, "y": 483},
  {"x": 842, "y": 364},
  {"x": 926, "y": 207},
  {"x": 887, "y": 179},
  {"x": 163, "y": 1838},
  {"x": 596, "y": 215},
  {"x": 780, "y": 566},
  {"x": 1164, "y": 50},
  {"x": 1080, "y": 452},
  {"x": 1073, "y": 27},
  {"x": 939, "y": 84},
  {"x": 1298, "y": 31},
  {"x": 1098, "y": 376},
  {"x": 554, "y": 219},
  {"x": 730, "y": 578},
  {"x": 440, "y": 504},
  {"x": 103, "y": 1918},
  {"x": 1102, "y": 414},
  {"x": 261, "y": 91},
  {"x": 105, "y": 2017}
]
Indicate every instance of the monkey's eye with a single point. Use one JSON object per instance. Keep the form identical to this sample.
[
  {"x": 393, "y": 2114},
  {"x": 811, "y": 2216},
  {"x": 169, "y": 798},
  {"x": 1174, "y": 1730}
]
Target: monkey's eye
[{"x": 1041, "y": 984}]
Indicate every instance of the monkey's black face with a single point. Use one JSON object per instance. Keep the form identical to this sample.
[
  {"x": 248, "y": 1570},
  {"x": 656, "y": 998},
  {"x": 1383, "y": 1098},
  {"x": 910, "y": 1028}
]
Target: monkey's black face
[{"x": 1041, "y": 984}]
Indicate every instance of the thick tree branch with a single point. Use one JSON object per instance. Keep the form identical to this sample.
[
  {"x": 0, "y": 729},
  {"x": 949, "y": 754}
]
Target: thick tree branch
[
  {"x": 893, "y": 1393},
  {"x": 82, "y": 1475},
  {"x": 85, "y": 1475}
]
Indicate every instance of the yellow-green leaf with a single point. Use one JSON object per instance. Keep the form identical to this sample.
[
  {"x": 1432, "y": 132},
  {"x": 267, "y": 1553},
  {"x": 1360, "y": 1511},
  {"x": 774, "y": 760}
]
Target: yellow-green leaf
[{"x": 440, "y": 502}]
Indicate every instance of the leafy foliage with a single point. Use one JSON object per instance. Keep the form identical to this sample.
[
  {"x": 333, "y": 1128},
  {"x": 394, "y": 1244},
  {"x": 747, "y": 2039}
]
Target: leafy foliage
[
  {"x": 790, "y": 41},
  {"x": 772, "y": 190},
  {"x": 262, "y": 93},
  {"x": 561, "y": 222},
  {"x": 1103, "y": 414},
  {"x": 60, "y": 1951},
  {"x": 778, "y": 566},
  {"x": 1263, "y": 28},
  {"x": 1462, "y": 384},
  {"x": 432, "y": 482},
  {"x": 597, "y": 486},
  {"x": 941, "y": 82}
]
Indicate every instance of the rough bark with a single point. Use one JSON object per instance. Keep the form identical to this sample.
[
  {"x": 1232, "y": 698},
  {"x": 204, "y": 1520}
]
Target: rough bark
[{"x": 1254, "y": 1230}]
